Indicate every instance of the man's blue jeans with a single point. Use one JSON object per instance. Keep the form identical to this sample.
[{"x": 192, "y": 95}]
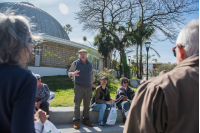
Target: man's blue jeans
[
  {"x": 124, "y": 106},
  {"x": 101, "y": 107}
]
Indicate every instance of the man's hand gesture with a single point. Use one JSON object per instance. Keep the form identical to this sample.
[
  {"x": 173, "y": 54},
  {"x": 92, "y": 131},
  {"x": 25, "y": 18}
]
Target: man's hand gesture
[{"x": 75, "y": 73}]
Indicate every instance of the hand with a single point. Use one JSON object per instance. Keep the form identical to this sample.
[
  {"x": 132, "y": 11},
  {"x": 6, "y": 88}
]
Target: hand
[
  {"x": 40, "y": 116},
  {"x": 94, "y": 86},
  {"x": 37, "y": 105},
  {"x": 125, "y": 99},
  {"x": 108, "y": 102},
  {"x": 75, "y": 73},
  {"x": 112, "y": 101},
  {"x": 130, "y": 102}
]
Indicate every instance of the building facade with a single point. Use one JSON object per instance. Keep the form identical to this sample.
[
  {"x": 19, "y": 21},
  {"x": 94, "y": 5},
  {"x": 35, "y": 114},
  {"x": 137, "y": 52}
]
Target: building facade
[{"x": 53, "y": 54}]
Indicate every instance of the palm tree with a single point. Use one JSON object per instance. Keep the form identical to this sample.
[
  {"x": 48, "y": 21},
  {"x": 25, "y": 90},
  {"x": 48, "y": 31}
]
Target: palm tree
[
  {"x": 67, "y": 28},
  {"x": 140, "y": 37},
  {"x": 117, "y": 33},
  {"x": 104, "y": 44},
  {"x": 85, "y": 39}
]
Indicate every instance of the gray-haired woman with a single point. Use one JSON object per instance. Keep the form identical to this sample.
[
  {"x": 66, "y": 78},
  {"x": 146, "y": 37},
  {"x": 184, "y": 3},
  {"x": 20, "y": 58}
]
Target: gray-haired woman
[
  {"x": 42, "y": 95},
  {"x": 17, "y": 85}
]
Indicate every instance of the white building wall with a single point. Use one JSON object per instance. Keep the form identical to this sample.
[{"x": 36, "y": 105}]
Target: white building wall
[{"x": 48, "y": 71}]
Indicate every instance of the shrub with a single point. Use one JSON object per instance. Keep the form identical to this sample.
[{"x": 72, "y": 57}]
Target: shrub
[
  {"x": 126, "y": 67},
  {"x": 108, "y": 74}
]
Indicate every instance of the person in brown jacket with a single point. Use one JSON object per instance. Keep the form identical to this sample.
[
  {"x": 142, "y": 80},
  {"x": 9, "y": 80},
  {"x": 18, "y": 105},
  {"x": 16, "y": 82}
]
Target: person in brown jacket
[
  {"x": 169, "y": 103},
  {"x": 101, "y": 100}
]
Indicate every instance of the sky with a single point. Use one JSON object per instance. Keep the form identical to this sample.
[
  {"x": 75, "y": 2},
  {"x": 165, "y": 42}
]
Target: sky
[{"x": 64, "y": 12}]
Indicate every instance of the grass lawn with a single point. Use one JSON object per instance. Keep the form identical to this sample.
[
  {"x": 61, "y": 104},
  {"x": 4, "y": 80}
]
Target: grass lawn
[
  {"x": 63, "y": 88},
  {"x": 136, "y": 79}
]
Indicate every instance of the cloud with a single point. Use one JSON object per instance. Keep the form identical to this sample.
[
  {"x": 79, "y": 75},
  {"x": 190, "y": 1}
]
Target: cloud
[
  {"x": 63, "y": 9},
  {"x": 45, "y": 1}
]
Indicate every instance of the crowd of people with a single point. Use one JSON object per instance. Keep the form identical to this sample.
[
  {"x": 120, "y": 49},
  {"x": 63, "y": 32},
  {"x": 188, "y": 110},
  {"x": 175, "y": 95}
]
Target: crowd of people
[{"x": 167, "y": 103}]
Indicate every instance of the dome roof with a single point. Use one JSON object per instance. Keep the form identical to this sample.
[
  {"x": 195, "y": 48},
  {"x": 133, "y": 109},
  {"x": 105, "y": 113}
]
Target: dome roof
[{"x": 45, "y": 23}]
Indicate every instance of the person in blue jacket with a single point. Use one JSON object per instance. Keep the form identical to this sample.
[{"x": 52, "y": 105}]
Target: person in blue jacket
[{"x": 17, "y": 85}]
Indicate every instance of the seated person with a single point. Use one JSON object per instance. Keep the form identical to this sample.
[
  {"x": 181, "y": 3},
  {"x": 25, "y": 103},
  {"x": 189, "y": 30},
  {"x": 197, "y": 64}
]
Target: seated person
[
  {"x": 42, "y": 95},
  {"x": 101, "y": 100},
  {"x": 39, "y": 119},
  {"x": 124, "y": 97}
]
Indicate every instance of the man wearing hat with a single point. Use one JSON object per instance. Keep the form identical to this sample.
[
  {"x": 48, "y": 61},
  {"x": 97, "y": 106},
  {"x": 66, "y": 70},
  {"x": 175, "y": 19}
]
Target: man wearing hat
[
  {"x": 101, "y": 100},
  {"x": 82, "y": 70}
]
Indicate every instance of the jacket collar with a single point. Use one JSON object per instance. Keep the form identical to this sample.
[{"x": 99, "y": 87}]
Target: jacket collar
[
  {"x": 105, "y": 88},
  {"x": 123, "y": 87},
  {"x": 192, "y": 60},
  {"x": 82, "y": 62}
]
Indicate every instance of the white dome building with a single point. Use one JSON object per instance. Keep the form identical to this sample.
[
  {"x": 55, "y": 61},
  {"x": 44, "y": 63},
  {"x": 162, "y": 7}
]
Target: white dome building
[{"x": 56, "y": 48}]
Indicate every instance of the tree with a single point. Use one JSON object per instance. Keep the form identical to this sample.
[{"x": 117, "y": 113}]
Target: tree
[
  {"x": 126, "y": 67},
  {"x": 85, "y": 39},
  {"x": 67, "y": 28},
  {"x": 162, "y": 15},
  {"x": 104, "y": 44},
  {"x": 133, "y": 67},
  {"x": 139, "y": 38},
  {"x": 116, "y": 66},
  {"x": 112, "y": 15},
  {"x": 152, "y": 59},
  {"x": 165, "y": 66}
]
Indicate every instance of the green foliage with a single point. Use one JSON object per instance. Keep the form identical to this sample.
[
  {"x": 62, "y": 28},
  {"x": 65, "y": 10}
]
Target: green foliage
[
  {"x": 67, "y": 28},
  {"x": 133, "y": 67},
  {"x": 166, "y": 66},
  {"x": 57, "y": 83},
  {"x": 139, "y": 38},
  {"x": 115, "y": 65},
  {"x": 71, "y": 60},
  {"x": 108, "y": 74},
  {"x": 104, "y": 42},
  {"x": 63, "y": 87},
  {"x": 126, "y": 67},
  {"x": 151, "y": 58},
  {"x": 136, "y": 79},
  {"x": 51, "y": 54}
]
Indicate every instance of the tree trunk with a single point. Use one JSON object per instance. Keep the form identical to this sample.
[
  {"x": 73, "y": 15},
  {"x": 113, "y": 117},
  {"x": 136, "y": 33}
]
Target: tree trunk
[
  {"x": 137, "y": 61},
  {"x": 105, "y": 57},
  {"x": 124, "y": 73},
  {"x": 140, "y": 60},
  {"x": 120, "y": 64}
]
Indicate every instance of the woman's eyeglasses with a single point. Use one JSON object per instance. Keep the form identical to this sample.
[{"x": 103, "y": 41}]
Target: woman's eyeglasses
[
  {"x": 38, "y": 78},
  {"x": 174, "y": 49},
  {"x": 125, "y": 82}
]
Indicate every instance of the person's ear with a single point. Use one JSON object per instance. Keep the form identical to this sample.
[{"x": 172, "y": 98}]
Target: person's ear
[{"x": 180, "y": 52}]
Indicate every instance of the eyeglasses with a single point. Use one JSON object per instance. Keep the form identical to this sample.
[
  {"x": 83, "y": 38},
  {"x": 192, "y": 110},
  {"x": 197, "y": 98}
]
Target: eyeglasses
[
  {"x": 125, "y": 82},
  {"x": 174, "y": 49},
  {"x": 38, "y": 78}
]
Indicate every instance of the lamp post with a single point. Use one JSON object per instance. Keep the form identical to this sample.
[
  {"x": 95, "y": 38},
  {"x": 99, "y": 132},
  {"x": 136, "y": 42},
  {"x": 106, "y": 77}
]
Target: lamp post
[
  {"x": 147, "y": 45},
  {"x": 38, "y": 48},
  {"x": 129, "y": 59}
]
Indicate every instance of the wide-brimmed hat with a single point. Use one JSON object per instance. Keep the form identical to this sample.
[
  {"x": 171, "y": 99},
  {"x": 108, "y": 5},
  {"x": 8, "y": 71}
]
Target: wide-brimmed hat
[
  {"x": 104, "y": 77},
  {"x": 82, "y": 50}
]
